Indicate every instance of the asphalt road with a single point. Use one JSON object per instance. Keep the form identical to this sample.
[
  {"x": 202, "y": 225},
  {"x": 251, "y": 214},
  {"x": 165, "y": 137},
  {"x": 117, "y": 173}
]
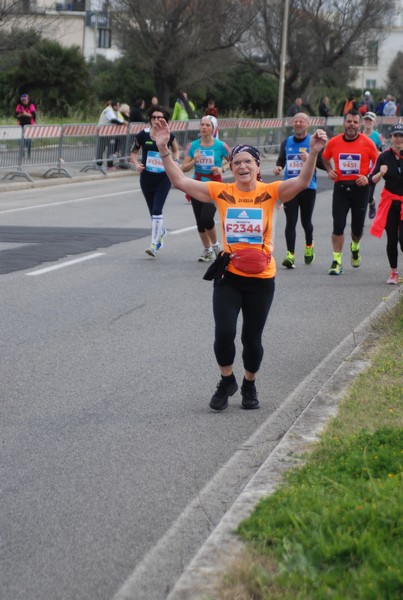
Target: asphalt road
[{"x": 114, "y": 471}]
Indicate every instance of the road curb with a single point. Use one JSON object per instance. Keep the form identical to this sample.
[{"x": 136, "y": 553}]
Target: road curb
[
  {"x": 200, "y": 579},
  {"x": 11, "y": 185}
]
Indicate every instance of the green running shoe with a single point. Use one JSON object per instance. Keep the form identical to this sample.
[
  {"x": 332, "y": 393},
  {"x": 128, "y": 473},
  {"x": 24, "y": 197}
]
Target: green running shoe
[
  {"x": 355, "y": 257},
  {"x": 336, "y": 268},
  {"x": 289, "y": 260},
  {"x": 152, "y": 250},
  {"x": 309, "y": 255}
]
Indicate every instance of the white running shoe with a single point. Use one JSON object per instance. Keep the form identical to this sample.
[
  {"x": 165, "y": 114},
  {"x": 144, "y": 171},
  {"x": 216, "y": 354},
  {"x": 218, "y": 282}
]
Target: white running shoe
[
  {"x": 217, "y": 248},
  {"x": 160, "y": 243},
  {"x": 206, "y": 255}
]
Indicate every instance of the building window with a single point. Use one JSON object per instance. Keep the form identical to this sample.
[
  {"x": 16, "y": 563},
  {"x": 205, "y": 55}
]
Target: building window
[
  {"x": 372, "y": 56},
  {"x": 104, "y": 38},
  {"x": 370, "y": 84}
]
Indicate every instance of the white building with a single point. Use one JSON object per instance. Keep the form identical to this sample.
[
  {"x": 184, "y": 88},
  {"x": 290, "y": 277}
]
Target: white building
[
  {"x": 82, "y": 23},
  {"x": 373, "y": 72}
]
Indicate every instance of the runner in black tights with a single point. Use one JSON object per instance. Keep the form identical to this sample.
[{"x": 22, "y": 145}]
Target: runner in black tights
[{"x": 291, "y": 158}]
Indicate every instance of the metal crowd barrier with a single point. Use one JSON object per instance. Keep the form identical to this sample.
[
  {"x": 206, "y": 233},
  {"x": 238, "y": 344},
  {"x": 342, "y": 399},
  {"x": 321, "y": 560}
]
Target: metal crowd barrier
[
  {"x": 43, "y": 145},
  {"x": 78, "y": 144},
  {"x": 57, "y": 149},
  {"x": 11, "y": 147}
]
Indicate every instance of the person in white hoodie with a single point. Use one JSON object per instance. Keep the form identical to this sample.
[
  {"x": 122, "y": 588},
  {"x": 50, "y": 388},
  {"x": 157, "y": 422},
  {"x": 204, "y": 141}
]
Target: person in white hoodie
[
  {"x": 109, "y": 116},
  {"x": 389, "y": 110}
]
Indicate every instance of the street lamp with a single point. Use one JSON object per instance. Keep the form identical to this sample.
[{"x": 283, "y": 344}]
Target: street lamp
[{"x": 283, "y": 58}]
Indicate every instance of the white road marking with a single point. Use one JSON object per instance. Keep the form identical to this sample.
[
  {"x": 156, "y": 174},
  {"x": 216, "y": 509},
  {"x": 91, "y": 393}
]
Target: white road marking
[
  {"x": 65, "y": 264},
  {"x": 84, "y": 199},
  {"x": 182, "y": 230}
]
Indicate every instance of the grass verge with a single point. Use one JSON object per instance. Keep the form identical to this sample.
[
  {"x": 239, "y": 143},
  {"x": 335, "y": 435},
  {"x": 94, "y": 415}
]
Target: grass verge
[{"x": 334, "y": 529}]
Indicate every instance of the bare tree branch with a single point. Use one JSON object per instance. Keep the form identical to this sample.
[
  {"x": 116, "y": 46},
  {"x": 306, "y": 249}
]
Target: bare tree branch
[
  {"x": 18, "y": 25},
  {"x": 324, "y": 38},
  {"x": 183, "y": 42}
]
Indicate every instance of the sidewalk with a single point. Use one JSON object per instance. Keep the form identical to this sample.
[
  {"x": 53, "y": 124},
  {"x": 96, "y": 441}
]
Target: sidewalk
[{"x": 36, "y": 173}]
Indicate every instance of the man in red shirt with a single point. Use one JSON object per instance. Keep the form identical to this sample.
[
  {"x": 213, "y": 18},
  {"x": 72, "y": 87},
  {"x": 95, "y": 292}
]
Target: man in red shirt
[{"x": 347, "y": 159}]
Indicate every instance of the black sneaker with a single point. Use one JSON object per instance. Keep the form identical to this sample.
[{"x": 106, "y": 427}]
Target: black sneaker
[
  {"x": 219, "y": 400},
  {"x": 371, "y": 210},
  {"x": 249, "y": 397}
]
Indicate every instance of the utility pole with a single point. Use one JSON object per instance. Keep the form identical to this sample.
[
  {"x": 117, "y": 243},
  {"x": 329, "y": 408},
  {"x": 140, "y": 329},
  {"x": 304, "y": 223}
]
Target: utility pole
[
  {"x": 95, "y": 36},
  {"x": 283, "y": 58}
]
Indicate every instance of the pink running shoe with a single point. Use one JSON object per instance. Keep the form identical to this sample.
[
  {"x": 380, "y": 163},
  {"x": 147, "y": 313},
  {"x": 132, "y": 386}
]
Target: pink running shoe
[{"x": 394, "y": 278}]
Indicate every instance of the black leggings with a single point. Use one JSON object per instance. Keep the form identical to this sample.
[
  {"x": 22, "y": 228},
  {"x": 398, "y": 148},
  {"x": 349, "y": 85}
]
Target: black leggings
[
  {"x": 204, "y": 213},
  {"x": 155, "y": 189},
  {"x": 305, "y": 202},
  {"x": 229, "y": 298},
  {"x": 394, "y": 232},
  {"x": 355, "y": 199}
]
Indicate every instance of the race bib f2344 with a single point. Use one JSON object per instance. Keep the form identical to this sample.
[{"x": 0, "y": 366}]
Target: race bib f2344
[{"x": 244, "y": 225}]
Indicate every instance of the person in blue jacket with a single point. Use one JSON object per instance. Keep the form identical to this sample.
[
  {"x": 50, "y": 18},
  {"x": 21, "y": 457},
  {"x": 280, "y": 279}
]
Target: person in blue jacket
[{"x": 293, "y": 151}]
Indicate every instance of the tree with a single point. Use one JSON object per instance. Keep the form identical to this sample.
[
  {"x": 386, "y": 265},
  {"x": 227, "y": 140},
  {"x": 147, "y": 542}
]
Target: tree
[
  {"x": 182, "y": 43},
  {"x": 395, "y": 76},
  {"x": 325, "y": 37},
  {"x": 55, "y": 76},
  {"x": 14, "y": 32},
  {"x": 247, "y": 90},
  {"x": 122, "y": 79}
]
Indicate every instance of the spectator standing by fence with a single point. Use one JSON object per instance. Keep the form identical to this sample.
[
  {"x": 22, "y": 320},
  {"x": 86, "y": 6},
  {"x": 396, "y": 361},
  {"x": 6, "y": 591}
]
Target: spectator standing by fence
[
  {"x": 184, "y": 109},
  {"x": 369, "y": 102},
  {"x": 109, "y": 116},
  {"x": 294, "y": 108},
  {"x": 380, "y": 106},
  {"x": 153, "y": 102},
  {"x": 211, "y": 109},
  {"x": 25, "y": 112},
  {"x": 121, "y": 141},
  {"x": 324, "y": 110},
  {"x": 136, "y": 112},
  {"x": 350, "y": 103},
  {"x": 389, "y": 110}
]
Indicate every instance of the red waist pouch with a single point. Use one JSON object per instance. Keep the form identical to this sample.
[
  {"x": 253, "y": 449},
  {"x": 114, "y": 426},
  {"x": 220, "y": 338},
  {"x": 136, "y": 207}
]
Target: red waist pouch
[{"x": 250, "y": 260}]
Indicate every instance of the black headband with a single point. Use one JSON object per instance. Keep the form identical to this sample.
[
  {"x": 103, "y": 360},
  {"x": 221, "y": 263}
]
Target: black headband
[{"x": 254, "y": 152}]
